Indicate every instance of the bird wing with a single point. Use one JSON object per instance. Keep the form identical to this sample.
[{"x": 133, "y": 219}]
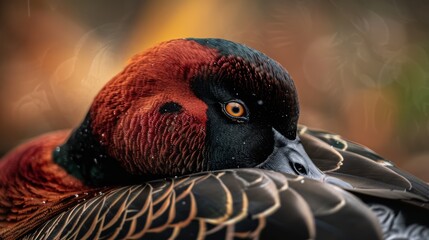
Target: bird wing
[
  {"x": 362, "y": 168},
  {"x": 228, "y": 204}
]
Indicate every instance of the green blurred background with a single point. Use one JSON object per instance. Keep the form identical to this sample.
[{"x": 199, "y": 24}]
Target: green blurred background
[{"x": 361, "y": 67}]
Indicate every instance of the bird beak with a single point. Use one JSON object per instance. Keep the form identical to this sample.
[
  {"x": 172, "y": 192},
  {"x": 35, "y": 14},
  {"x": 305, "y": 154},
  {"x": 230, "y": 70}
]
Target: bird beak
[{"x": 289, "y": 156}]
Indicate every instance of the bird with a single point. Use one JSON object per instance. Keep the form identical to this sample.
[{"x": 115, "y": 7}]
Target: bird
[{"x": 199, "y": 139}]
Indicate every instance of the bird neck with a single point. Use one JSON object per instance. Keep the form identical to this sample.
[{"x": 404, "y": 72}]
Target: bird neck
[{"x": 86, "y": 159}]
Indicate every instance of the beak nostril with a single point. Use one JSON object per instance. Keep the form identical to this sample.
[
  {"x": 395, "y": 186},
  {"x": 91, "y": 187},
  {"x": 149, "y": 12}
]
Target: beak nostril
[
  {"x": 297, "y": 162},
  {"x": 298, "y": 168}
]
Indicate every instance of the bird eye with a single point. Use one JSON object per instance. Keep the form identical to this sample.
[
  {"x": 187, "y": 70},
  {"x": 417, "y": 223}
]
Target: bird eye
[{"x": 235, "y": 110}]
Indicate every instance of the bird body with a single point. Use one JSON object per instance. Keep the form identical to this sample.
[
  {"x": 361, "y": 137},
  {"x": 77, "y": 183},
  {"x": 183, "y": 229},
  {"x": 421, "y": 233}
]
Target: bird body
[
  {"x": 236, "y": 203},
  {"x": 198, "y": 138},
  {"x": 33, "y": 185}
]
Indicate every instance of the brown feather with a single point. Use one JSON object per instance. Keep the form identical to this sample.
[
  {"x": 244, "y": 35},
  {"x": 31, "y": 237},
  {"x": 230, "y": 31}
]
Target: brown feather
[{"x": 33, "y": 188}]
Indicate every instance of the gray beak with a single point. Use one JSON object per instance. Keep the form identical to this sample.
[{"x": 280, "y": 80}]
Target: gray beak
[{"x": 290, "y": 157}]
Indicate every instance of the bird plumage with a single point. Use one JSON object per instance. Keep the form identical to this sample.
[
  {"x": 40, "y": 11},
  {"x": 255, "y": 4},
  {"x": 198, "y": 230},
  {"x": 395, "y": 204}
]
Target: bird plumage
[
  {"x": 226, "y": 204},
  {"x": 32, "y": 187},
  {"x": 202, "y": 109},
  {"x": 362, "y": 168}
]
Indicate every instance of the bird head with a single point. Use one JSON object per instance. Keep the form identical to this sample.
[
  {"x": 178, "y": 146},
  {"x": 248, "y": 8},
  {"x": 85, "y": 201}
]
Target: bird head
[{"x": 186, "y": 106}]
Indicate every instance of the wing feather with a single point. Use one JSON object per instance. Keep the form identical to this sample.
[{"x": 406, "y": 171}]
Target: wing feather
[
  {"x": 362, "y": 168},
  {"x": 239, "y": 203}
]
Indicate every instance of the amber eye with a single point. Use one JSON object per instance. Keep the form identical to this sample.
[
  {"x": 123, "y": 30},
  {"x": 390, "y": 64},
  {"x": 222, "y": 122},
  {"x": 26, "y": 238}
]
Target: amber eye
[{"x": 236, "y": 110}]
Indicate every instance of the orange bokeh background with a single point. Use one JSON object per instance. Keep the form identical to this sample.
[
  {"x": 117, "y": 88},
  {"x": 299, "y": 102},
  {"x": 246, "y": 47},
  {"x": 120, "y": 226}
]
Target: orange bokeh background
[{"x": 361, "y": 69}]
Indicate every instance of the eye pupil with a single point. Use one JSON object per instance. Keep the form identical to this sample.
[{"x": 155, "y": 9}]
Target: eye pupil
[{"x": 236, "y": 109}]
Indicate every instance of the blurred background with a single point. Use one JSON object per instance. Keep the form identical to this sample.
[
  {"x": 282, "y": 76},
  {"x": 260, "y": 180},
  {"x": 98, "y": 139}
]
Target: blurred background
[{"x": 361, "y": 67}]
